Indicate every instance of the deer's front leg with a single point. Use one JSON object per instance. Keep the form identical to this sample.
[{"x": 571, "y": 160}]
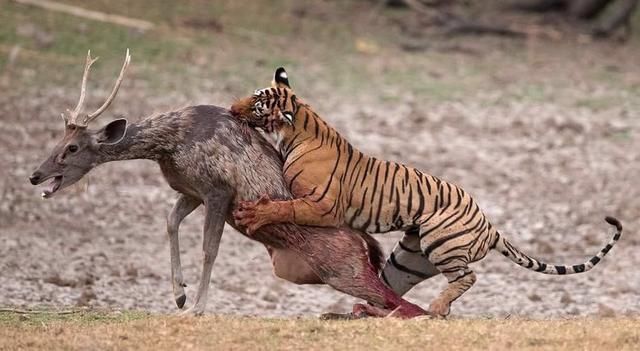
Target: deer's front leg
[
  {"x": 216, "y": 207},
  {"x": 302, "y": 211},
  {"x": 181, "y": 209}
]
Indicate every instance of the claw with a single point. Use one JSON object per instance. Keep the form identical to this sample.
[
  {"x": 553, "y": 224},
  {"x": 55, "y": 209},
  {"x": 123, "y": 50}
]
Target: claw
[
  {"x": 238, "y": 214},
  {"x": 246, "y": 205},
  {"x": 264, "y": 199},
  {"x": 245, "y": 131},
  {"x": 249, "y": 215},
  {"x": 251, "y": 229}
]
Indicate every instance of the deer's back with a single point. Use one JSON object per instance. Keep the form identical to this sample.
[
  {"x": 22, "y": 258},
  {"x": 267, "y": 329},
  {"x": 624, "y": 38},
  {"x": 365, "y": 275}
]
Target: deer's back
[{"x": 215, "y": 153}]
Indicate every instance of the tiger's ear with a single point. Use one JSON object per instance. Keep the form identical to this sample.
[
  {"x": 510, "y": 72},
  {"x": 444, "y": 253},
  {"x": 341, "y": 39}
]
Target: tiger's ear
[{"x": 281, "y": 79}]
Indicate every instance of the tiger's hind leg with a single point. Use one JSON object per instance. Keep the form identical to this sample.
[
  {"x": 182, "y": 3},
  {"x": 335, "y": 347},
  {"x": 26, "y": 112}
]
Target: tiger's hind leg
[
  {"x": 407, "y": 266},
  {"x": 451, "y": 240},
  {"x": 459, "y": 281}
]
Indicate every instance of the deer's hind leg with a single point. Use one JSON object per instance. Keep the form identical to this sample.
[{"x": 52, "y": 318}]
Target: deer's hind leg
[
  {"x": 215, "y": 205},
  {"x": 451, "y": 241},
  {"x": 343, "y": 261},
  {"x": 181, "y": 209},
  {"x": 406, "y": 267}
]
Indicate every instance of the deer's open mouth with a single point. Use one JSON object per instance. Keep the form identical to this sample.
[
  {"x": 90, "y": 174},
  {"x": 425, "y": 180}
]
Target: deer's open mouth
[{"x": 52, "y": 186}]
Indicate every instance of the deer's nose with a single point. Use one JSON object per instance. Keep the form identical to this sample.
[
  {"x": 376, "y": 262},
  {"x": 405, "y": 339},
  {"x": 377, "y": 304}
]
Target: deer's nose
[{"x": 35, "y": 177}]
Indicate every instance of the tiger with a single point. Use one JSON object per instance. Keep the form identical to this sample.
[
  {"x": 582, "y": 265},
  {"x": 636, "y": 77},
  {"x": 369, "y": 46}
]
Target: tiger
[{"x": 335, "y": 184}]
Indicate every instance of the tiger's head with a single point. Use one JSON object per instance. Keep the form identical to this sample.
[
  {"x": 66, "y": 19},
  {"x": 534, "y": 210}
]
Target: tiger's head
[{"x": 269, "y": 108}]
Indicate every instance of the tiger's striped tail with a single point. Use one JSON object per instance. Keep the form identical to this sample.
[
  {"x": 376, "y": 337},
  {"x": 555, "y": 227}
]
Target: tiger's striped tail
[{"x": 525, "y": 261}]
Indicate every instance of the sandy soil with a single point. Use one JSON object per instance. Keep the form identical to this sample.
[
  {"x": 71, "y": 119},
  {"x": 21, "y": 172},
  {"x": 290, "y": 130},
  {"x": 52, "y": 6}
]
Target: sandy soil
[{"x": 546, "y": 166}]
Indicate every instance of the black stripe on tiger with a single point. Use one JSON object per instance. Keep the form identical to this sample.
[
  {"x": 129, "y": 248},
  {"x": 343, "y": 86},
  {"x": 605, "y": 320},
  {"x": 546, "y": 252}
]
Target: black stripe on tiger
[
  {"x": 520, "y": 258},
  {"x": 400, "y": 267}
]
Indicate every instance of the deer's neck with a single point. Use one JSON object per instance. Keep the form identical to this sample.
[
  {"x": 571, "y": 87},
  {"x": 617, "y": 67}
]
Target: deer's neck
[{"x": 152, "y": 139}]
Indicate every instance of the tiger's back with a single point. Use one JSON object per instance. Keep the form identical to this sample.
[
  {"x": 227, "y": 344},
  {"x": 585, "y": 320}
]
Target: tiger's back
[{"x": 366, "y": 193}]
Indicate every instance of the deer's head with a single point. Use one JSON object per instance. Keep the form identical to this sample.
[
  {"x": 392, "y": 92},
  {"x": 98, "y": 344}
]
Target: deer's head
[{"x": 79, "y": 150}]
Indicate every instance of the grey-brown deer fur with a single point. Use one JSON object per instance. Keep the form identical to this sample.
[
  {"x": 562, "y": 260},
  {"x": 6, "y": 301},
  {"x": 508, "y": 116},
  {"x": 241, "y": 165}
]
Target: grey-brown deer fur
[{"x": 205, "y": 156}]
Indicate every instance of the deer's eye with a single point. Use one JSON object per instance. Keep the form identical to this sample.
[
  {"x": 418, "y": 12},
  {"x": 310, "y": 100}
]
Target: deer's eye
[{"x": 72, "y": 148}]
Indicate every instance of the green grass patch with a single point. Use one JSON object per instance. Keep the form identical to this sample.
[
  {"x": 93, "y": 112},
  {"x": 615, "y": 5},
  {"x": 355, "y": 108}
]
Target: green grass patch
[
  {"x": 231, "y": 41},
  {"x": 72, "y": 316}
]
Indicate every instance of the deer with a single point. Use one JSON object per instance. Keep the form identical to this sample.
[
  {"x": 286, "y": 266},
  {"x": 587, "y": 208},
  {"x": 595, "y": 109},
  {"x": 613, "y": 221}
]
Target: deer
[{"x": 210, "y": 161}]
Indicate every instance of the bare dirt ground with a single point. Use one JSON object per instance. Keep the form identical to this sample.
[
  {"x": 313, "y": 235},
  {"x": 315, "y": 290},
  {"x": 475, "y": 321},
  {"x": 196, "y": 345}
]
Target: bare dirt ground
[{"x": 545, "y": 133}]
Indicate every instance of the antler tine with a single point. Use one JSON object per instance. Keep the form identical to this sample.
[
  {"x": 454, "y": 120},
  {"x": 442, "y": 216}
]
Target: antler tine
[
  {"x": 111, "y": 97},
  {"x": 73, "y": 115}
]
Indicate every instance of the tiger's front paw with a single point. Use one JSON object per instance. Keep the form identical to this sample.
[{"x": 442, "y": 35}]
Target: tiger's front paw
[{"x": 254, "y": 214}]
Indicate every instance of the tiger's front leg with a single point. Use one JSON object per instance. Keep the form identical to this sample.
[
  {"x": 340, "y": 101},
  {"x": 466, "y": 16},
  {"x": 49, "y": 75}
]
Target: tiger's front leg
[
  {"x": 302, "y": 211},
  {"x": 255, "y": 214}
]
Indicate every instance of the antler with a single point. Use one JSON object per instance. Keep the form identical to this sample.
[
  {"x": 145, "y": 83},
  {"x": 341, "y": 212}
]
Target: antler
[
  {"x": 73, "y": 115},
  {"x": 113, "y": 94}
]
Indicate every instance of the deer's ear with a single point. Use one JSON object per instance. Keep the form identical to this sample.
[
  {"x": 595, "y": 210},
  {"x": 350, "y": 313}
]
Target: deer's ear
[
  {"x": 113, "y": 132},
  {"x": 281, "y": 79}
]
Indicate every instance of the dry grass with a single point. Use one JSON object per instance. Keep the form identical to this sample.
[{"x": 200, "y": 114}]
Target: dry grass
[{"x": 134, "y": 330}]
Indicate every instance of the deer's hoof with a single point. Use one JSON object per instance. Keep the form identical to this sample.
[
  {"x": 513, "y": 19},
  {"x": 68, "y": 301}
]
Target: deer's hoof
[{"x": 180, "y": 300}]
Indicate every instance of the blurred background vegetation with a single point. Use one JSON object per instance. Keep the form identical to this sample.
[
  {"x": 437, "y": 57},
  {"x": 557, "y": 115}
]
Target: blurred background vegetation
[{"x": 231, "y": 46}]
